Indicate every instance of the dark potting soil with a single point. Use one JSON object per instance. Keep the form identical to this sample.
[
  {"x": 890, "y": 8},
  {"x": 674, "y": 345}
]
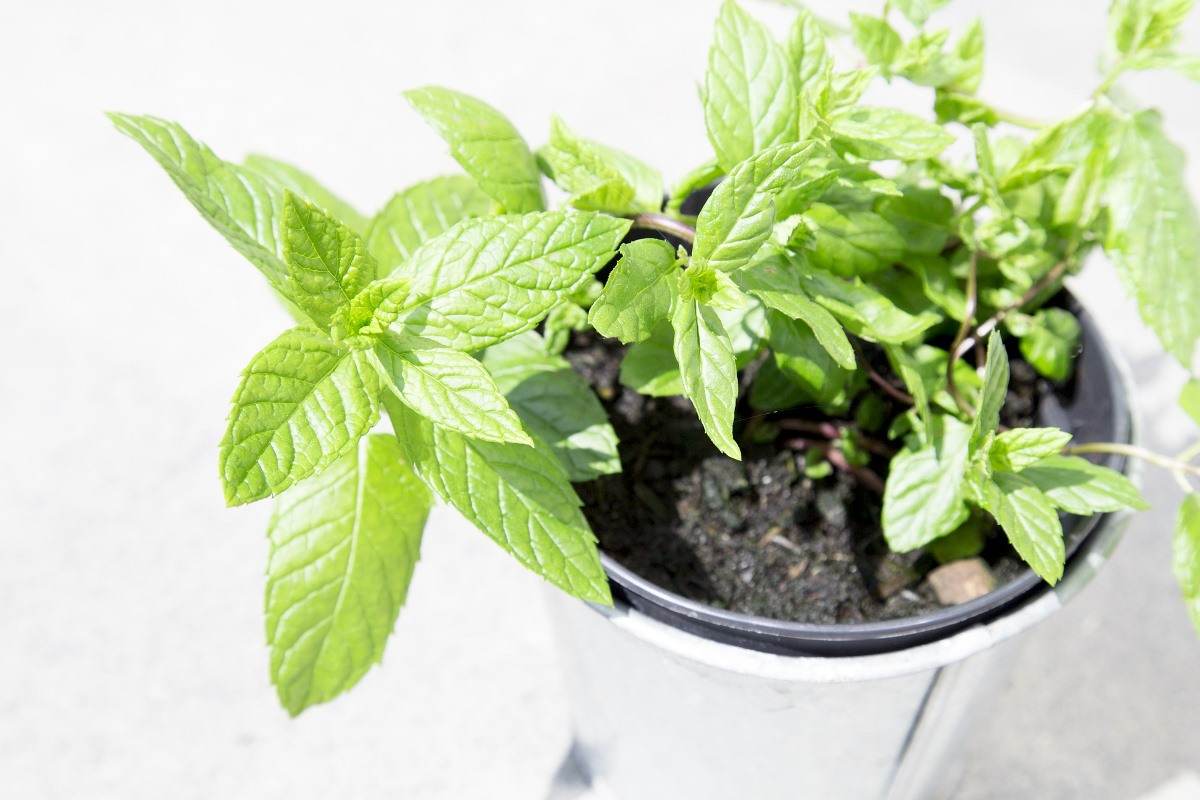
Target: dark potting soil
[{"x": 757, "y": 536}]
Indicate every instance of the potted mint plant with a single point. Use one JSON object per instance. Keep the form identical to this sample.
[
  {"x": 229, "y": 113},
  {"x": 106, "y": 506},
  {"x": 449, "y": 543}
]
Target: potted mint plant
[{"x": 809, "y": 436}]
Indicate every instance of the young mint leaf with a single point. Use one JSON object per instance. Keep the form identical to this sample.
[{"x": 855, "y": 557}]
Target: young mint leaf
[
  {"x": 564, "y": 319},
  {"x": 518, "y": 496},
  {"x": 649, "y": 367},
  {"x": 738, "y": 217},
  {"x": 807, "y": 52},
  {"x": 1185, "y": 556},
  {"x": 327, "y": 263},
  {"x": 343, "y": 548},
  {"x": 1029, "y": 520},
  {"x": 421, "y": 212},
  {"x": 877, "y": 40},
  {"x": 638, "y": 293},
  {"x": 486, "y": 144},
  {"x": 1186, "y": 65},
  {"x": 995, "y": 390},
  {"x": 1189, "y": 399},
  {"x": 850, "y": 242},
  {"x": 749, "y": 91},
  {"x": 776, "y": 283},
  {"x": 1049, "y": 341},
  {"x": 242, "y": 205},
  {"x": 1016, "y": 449},
  {"x": 302, "y": 403},
  {"x": 864, "y": 310},
  {"x": 707, "y": 369},
  {"x": 1154, "y": 234},
  {"x": 923, "y": 499},
  {"x": 449, "y": 388},
  {"x": 487, "y": 279},
  {"x": 799, "y": 354},
  {"x": 597, "y": 177},
  {"x": 925, "y": 61},
  {"x": 1144, "y": 25},
  {"x": 300, "y": 182},
  {"x": 877, "y": 133},
  {"x": 1078, "y": 486},
  {"x": 363, "y": 320},
  {"x": 917, "y": 11}
]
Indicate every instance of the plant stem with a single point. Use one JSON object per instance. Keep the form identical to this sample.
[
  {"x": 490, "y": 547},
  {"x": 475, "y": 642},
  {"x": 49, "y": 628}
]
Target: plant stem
[
  {"x": 1018, "y": 120},
  {"x": 1133, "y": 451},
  {"x": 958, "y": 348},
  {"x": 987, "y": 326},
  {"x": 665, "y": 224}
]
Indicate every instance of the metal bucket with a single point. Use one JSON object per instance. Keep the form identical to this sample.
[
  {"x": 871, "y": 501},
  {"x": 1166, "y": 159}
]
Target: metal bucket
[
  {"x": 671, "y": 705},
  {"x": 660, "y": 713}
]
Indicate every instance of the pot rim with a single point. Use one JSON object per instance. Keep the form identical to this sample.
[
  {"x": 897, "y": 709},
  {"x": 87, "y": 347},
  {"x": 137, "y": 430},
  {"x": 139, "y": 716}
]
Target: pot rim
[{"x": 797, "y": 639}]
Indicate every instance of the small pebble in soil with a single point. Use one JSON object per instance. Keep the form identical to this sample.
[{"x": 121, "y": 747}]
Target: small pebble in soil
[{"x": 960, "y": 581}]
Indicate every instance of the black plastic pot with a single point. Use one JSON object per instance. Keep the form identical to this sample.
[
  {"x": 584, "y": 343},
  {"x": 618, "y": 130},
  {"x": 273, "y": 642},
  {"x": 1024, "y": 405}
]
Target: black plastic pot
[{"x": 1097, "y": 411}]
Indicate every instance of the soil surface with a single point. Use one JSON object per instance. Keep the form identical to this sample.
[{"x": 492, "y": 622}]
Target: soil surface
[{"x": 757, "y": 536}]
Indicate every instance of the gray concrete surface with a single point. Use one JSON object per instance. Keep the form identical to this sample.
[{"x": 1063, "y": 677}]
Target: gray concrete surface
[{"x": 131, "y": 655}]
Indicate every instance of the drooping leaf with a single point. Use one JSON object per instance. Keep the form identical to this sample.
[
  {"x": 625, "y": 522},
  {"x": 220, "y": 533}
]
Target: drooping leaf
[
  {"x": 519, "y": 496},
  {"x": 995, "y": 390},
  {"x": 300, "y": 182},
  {"x": 1185, "y": 554},
  {"x": 1014, "y": 450},
  {"x": 1029, "y": 520},
  {"x": 327, "y": 262},
  {"x": 419, "y": 213},
  {"x": 638, "y": 293},
  {"x": 343, "y": 548},
  {"x": 1078, "y": 486},
  {"x": 487, "y": 279},
  {"x": 448, "y": 387},
  {"x": 486, "y": 144},
  {"x": 599, "y": 178},
  {"x": 241, "y": 204},
  {"x": 1154, "y": 234},
  {"x": 707, "y": 369},
  {"x": 924, "y": 498},
  {"x": 749, "y": 90},
  {"x": 303, "y": 402},
  {"x": 876, "y": 133},
  {"x": 738, "y": 217}
]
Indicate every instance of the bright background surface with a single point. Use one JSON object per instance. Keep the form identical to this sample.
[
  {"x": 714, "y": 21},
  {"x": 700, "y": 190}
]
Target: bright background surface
[{"x": 131, "y": 654}]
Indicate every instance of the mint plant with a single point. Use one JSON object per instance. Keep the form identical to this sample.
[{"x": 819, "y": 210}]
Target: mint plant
[{"x": 844, "y": 264}]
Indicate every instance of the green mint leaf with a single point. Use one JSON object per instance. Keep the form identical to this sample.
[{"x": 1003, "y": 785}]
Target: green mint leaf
[
  {"x": 300, "y": 182},
  {"x": 649, "y": 367},
  {"x": 1078, "y": 486},
  {"x": 965, "y": 541},
  {"x": 774, "y": 390},
  {"x": 1016, "y": 449},
  {"x": 241, "y": 204},
  {"x": 518, "y": 496},
  {"x": 487, "y": 279},
  {"x": 951, "y": 106},
  {"x": 877, "y": 133},
  {"x": 343, "y": 548},
  {"x": 1079, "y": 202},
  {"x": 776, "y": 283},
  {"x": 421, "y": 212},
  {"x": 1186, "y": 65},
  {"x": 877, "y": 40},
  {"x": 302, "y": 403},
  {"x": 925, "y": 61},
  {"x": 364, "y": 319},
  {"x": 1154, "y": 234},
  {"x": 638, "y": 293},
  {"x": 327, "y": 262},
  {"x": 708, "y": 370},
  {"x": 739, "y": 215},
  {"x": 1049, "y": 341},
  {"x": 746, "y": 325},
  {"x": 1144, "y": 25},
  {"x": 808, "y": 52},
  {"x": 995, "y": 390},
  {"x": 923, "y": 499},
  {"x": 597, "y": 177},
  {"x": 515, "y": 359},
  {"x": 749, "y": 91},
  {"x": 694, "y": 180},
  {"x": 799, "y": 354},
  {"x": 1029, "y": 520},
  {"x": 922, "y": 217},
  {"x": 486, "y": 144},
  {"x": 1185, "y": 554},
  {"x": 450, "y": 388},
  {"x": 864, "y": 310},
  {"x": 917, "y": 11},
  {"x": 564, "y": 319},
  {"x": 1189, "y": 399},
  {"x": 850, "y": 242}
]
